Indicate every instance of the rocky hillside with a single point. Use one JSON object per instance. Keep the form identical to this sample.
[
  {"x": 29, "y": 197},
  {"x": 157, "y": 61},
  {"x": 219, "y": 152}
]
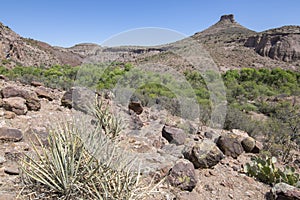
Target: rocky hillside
[
  {"x": 280, "y": 43},
  {"x": 230, "y": 44},
  {"x": 198, "y": 162},
  {"x": 233, "y": 46},
  {"x": 16, "y": 50}
]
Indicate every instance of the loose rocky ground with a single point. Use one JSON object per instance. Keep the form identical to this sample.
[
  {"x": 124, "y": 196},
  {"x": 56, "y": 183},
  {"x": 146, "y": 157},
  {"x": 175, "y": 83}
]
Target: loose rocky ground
[{"x": 157, "y": 138}]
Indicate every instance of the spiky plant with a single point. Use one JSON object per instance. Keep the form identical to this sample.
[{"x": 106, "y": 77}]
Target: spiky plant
[
  {"x": 110, "y": 124},
  {"x": 79, "y": 163}
]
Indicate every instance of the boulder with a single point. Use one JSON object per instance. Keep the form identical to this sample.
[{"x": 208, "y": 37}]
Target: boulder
[
  {"x": 38, "y": 136},
  {"x": 136, "y": 107},
  {"x": 12, "y": 170},
  {"x": 248, "y": 144},
  {"x": 258, "y": 147},
  {"x": 2, "y": 160},
  {"x": 204, "y": 154},
  {"x": 283, "y": 191},
  {"x": 16, "y": 105},
  {"x": 230, "y": 146},
  {"x": 66, "y": 100},
  {"x": 182, "y": 175},
  {"x": 212, "y": 135},
  {"x": 32, "y": 100},
  {"x": 36, "y": 84},
  {"x": 43, "y": 92},
  {"x": 173, "y": 149},
  {"x": 79, "y": 98},
  {"x": 10, "y": 134},
  {"x": 2, "y": 77},
  {"x": 174, "y": 135},
  {"x": 9, "y": 115}
]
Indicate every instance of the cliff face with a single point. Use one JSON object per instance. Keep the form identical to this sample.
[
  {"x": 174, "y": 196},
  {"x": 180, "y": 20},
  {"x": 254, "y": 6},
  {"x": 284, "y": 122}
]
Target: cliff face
[{"x": 280, "y": 44}]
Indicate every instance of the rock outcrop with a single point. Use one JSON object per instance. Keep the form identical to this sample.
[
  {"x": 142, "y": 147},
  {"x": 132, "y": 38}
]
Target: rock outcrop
[{"x": 280, "y": 44}]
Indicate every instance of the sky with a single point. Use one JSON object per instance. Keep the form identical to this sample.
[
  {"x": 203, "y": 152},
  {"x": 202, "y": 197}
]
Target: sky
[{"x": 69, "y": 22}]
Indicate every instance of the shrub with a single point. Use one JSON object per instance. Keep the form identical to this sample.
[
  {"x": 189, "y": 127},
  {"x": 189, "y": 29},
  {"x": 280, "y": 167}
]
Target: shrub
[
  {"x": 264, "y": 169},
  {"x": 67, "y": 170},
  {"x": 80, "y": 162}
]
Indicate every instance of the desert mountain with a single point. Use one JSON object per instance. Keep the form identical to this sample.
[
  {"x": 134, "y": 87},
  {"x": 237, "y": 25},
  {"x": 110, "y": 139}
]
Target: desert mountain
[{"x": 230, "y": 44}]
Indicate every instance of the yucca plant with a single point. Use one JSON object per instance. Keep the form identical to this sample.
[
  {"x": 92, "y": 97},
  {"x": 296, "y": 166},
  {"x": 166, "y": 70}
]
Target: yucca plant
[
  {"x": 65, "y": 168},
  {"x": 110, "y": 124},
  {"x": 79, "y": 163}
]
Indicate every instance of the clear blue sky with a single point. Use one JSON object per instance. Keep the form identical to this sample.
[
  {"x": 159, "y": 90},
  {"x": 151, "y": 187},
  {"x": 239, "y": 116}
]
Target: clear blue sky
[{"x": 68, "y": 22}]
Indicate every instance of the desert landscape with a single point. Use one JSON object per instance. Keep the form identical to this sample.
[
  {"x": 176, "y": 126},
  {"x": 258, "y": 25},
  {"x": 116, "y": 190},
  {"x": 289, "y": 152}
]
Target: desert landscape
[{"x": 212, "y": 116}]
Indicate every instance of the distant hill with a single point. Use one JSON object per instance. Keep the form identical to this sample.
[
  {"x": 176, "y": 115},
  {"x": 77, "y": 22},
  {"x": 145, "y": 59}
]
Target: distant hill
[
  {"x": 16, "y": 50},
  {"x": 230, "y": 44}
]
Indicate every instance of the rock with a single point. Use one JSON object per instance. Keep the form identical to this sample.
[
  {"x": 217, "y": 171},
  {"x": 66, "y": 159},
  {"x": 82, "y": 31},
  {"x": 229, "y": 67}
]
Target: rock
[
  {"x": 136, "y": 107},
  {"x": 79, "y": 98},
  {"x": 38, "y": 135},
  {"x": 174, "y": 135},
  {"x": 174, "y": 150},
  {"x": 9, "y": 115},
  {"x": 240, "y": 134},
  {"x": 258, "y": 147},
  {"x": 135, "y": 122},
  {"x": 10, "y": 134},
  {"x": 43, "y": 92},
  {"x": 279, "y": 44},
  {"x": 2, "y": 77},
  {"x": 16, "y": 105},
  {"x": 154, "y": 163},
  {"x": 248, "y": 144},
  {"x": 182, "y": 175},
  {"x": 36, "y": 84},
  {"x": 11, "y": 170},
  {"x": 204, "y": 154},
  {"x": 32, "y": 100},
  {"x": 2, "y": 160},
  {"x": 229, "y": 18},
  {"x": 14, "y": 155},
  {"x": 283, "y": 191},
  {"x": 66, "y": 100},
  {"x": 212, "y": 135},
  {"x": 230, "y": 146},
  {"x": 1, "y": 102}
]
